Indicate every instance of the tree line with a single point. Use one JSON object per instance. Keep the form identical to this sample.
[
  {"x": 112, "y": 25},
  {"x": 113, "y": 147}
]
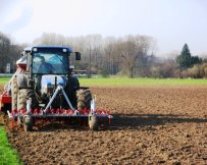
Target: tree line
[
  {"x": 132, "y": 55},
  {"x": 9, "y": 53},
  {"x": 129, "y": 55}
]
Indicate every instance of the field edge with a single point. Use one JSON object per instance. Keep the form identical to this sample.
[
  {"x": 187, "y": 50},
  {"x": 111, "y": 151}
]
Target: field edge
[{"x": 8, "y": 155}]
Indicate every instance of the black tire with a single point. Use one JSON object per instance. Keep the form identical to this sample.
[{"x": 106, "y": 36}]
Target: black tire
[
  {"x": 84, "y": 98},
  {"x": 14, "y": 92},
  {"x": 22, "y": 99},
  {"x": 72, "y": 87},
  {"x": 20, "y": 96},
  {"x": 23, "y": 96},
  {"x": 75, "y": 83}
]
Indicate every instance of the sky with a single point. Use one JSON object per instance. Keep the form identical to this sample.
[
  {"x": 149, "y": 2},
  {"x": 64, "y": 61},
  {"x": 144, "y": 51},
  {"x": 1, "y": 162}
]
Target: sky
[{"x": 171, "y": 22}]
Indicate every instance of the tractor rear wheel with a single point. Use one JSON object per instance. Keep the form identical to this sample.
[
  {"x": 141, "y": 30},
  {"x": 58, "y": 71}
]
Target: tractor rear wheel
[
  {"x": 14, "y": 92},
  {"x": 23, "y": 96},
  {"x": 22, "y": 99},
  {"x": 84, "y": 98}
]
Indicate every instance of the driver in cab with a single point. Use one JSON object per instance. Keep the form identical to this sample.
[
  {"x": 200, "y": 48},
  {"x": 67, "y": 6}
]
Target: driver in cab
[{"x": 45, "y": 67}]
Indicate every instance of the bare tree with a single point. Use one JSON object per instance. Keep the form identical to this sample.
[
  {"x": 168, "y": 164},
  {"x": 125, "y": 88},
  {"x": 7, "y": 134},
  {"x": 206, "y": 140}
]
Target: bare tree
[
  {"x": 94, "y": 47},
  {"x": 108, "y": 50},
  {"x": 51, "y": 39},
  {"x": 132, "y": 50}
]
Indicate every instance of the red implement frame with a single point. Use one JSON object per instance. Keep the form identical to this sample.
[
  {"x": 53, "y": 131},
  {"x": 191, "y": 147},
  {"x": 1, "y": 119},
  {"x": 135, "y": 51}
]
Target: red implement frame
[{"x": 5, "y": 98}]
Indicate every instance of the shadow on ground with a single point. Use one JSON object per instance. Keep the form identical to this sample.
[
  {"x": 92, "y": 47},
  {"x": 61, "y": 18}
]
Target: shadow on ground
[
  {"x": 121, "y": 122},
  {"x": 134, "y": 121}
]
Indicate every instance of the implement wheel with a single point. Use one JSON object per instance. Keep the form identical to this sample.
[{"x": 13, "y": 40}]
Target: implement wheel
[
  {"x": 93, "y": 122},
  {"x": 27, "y": 123},
  {"x": 20, "y": 121}
]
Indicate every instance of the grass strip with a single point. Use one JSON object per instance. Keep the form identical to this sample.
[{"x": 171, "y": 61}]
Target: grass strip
[
  {"x": 132, "y": 82},
  {"x": 7, "y": 154},
  {"x": 4, "y": 80},
  {"x": 139, "y": 82}
]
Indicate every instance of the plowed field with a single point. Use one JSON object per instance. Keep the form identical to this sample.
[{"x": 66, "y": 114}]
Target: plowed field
[{"x": 161, "y": 125}]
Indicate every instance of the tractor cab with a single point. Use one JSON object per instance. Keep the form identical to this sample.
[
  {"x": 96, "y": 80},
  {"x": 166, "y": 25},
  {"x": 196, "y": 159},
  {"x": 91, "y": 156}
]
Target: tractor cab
[
  {"x": 50, "y": 60},
  {"x": 56, "y": 59},
  {"x": 49, "y": 67}
]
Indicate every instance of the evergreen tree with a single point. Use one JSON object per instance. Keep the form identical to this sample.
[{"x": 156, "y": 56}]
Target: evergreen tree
[{"x": 184, "y": 59}]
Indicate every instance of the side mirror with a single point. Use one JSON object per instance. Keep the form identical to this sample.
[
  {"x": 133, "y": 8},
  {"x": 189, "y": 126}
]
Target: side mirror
[{"x": 77, "y": 56}]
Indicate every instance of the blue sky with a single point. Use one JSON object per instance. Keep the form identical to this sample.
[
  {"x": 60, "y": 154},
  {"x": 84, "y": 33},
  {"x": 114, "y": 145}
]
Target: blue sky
[{"x": 171, "y": 22}]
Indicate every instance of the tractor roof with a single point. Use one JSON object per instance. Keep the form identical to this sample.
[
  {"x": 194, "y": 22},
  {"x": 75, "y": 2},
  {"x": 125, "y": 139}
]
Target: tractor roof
[{"x": 29, "y": 49}]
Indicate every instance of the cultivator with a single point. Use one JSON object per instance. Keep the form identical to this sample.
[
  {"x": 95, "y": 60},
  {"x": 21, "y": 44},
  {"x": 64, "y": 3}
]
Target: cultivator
[
  {"x": 27, "y": 117},
  {"x": 100, "y": 119},
  {"x": 49, "y": 92}
]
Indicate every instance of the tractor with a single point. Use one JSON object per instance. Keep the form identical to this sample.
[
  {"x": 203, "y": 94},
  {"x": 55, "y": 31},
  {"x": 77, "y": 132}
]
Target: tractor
[{"x": 44, "y": 88}]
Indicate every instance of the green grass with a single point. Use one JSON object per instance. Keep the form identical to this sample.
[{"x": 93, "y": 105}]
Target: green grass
[
  {"x": 4, "y": 80},
  {"x": 137, "y": 82},
  {"x": 7, "y": 154}
]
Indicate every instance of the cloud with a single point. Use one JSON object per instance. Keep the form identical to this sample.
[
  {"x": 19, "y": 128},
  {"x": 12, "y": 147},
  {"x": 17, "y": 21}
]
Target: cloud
[
  {"x": 20, "y": 20},
  {"x": 4, "y": 4},
  {"x": 15, "y": 16}
]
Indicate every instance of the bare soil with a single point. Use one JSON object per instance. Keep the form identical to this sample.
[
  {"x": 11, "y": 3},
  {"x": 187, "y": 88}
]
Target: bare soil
[{"x": 165, "y": 125}]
